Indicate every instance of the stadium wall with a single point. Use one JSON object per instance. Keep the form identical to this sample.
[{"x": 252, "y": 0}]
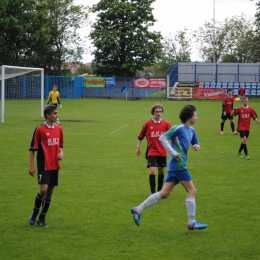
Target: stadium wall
[{"x": 208, "y": 72}]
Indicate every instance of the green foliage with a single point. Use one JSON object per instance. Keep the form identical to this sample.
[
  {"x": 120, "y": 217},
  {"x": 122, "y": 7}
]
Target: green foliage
[
  {"x": 176, "y": 48},
  {"x": 230, "y": 41},
  {"x": 255, "y": 41},
  {"x": 25, "y": 35},
  {"x": 102, "y": 178},
  {"x": 66, "y": 44},
  {"x": 41, "y": 33},
  {"x": 122, "y": 37}
]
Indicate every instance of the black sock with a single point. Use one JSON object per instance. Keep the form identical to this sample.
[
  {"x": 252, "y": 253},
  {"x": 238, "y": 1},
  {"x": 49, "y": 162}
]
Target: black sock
[
  {"x": 222, "y": 126},
  {"x": 241, "y": 148},
  {"x": 160, "y": 181},
  {"x": 245, "y": 149},
  {"x": 152, "y": 183},
  {"x": 37, "y": 205},
  {"x": 45, "y": 207},
  {"x": 232, "y": 126}
]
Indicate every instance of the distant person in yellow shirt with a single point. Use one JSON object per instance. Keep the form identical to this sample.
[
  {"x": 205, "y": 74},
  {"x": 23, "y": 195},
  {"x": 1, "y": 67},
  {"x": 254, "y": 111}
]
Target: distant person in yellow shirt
[{"x": 54, "y": 99}]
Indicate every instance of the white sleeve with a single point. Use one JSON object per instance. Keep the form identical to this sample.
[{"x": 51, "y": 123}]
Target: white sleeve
[{"x": 166, "y": 145}]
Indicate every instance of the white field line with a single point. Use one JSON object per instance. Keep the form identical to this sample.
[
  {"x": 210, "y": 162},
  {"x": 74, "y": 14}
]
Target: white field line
[{"x": 117, "y": 130}]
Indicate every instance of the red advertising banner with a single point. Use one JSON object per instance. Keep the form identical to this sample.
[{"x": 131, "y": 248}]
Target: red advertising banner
[
  {"x": 150, "y": 83},
  {"x": 208, "y": 93}
]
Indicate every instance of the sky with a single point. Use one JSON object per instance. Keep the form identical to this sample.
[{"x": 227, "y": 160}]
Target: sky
[{"x": 173, "y": 16}]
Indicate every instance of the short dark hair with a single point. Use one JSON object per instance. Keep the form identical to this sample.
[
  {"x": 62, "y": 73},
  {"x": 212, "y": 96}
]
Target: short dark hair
[
  {"x": 48, "y": 110},
  {"x": 229, "y": 89},
  {"x": 157, "y": 105},
  {"x": 187, "y": 112}
]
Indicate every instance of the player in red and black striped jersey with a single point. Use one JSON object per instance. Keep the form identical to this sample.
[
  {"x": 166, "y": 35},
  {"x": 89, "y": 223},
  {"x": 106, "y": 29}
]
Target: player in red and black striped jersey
[
  {"x": 156, "y": 153},
  {"x": 48, "y": 142},
  {"x": 227, "y": 108},
  {"x": 245, "y": 113}
]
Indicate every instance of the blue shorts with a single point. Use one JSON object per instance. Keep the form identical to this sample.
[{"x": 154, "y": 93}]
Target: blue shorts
[{"x": 177, "y": 176}]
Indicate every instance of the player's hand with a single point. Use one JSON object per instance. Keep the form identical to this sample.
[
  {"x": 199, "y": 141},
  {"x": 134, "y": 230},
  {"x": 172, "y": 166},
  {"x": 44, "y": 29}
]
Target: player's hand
[
  {"x": 196, "y": 147},
  {"x": 138, "y": 151},
  {"x": 177, "y": 156},
  {"x": 224, "y": 113},
  {"x": 60, "y": 156},
  {"x": 32, "y": 171},
  {"x": 60, "y": 106},
  {"x": 257, "y": 120}
]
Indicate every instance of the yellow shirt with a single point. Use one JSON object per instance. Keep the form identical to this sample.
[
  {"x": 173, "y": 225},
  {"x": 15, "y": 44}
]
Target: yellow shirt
[{"x": 54, "y": 97}]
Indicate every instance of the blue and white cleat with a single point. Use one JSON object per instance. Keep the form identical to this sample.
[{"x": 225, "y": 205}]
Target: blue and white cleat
[
  {"x": 32, "y": 220},
  {"x": 196, "y": 225},
  {"x": 136, "y": 216},
  {"x": 42, "y": 223}
]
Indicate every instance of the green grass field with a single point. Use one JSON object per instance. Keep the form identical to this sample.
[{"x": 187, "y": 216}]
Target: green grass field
[{"x": 102, "y": 178}]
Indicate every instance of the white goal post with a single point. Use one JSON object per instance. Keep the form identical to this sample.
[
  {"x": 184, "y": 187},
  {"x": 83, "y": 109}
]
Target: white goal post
[{"x": 22, "y": 92}]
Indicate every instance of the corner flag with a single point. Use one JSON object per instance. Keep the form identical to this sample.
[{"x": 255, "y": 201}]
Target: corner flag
[{"x": 124, "y": 89}]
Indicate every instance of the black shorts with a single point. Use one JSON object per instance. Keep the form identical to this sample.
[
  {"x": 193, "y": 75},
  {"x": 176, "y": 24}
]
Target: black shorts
[
  {"x": 244, "y": 134},
  {"x": 48, "y": 177},
  {"x": 227, "y": 116},
  {"x": 156, "y": 161}
]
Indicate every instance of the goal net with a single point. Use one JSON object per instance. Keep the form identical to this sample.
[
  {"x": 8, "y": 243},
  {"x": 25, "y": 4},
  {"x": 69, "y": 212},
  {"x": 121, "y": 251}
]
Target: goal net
[{"x": 22, "y": 93}]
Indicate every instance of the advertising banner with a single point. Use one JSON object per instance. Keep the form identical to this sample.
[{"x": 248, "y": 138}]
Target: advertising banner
[
  {"x": 150, "y": 83},
  {"x": 94, "y": 82},
  {"x": 207, "y": 93},
  {"x": 110, "y": 82}
]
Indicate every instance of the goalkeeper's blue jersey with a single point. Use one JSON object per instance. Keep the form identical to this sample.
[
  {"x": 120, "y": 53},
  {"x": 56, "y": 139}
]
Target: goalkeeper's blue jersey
[{"x": 181, "y": 137}]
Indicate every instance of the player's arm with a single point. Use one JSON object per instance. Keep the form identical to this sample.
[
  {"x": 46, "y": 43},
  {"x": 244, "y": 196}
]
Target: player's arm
[
  {"x": 195, "y": 142},
  {"x": 49, "y": 98},
  {"x": 234, "y": 112},
  {"x": 58, "y": 99},
  {"x": 60, "y": 155},
  {"x": 223, "y": 108},
  {"x": 255, "y": 117},
  {"x": 138, "y": 147},
  {"x": 164, "y": 141},
  {"x": 31, "y": 163}
]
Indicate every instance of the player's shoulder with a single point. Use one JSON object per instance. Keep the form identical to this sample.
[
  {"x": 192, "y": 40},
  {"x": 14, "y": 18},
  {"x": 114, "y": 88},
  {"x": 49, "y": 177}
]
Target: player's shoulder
[
  {"x": 176, "y": 127},
  {"x": 165, "y": 121}
]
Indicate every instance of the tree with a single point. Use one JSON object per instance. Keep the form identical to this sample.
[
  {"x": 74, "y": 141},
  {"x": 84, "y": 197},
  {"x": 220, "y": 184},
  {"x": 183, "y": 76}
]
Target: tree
[
  {"x": 23, "y": 32},
  {"x": 66, "y": 44},
  {"x": 122, "y": 39},
  {"x": 255, "y": 40},
  {"x": 229, "y": 42},
  {"x": 41, "y": 33},
  {"x": 176, "y": 48}
]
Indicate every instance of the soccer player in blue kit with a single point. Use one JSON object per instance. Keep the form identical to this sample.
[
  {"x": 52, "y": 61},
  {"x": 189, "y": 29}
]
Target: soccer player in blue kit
[{"x": 181, "y": 137}]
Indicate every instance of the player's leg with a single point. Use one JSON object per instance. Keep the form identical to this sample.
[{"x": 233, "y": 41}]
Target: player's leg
[
  {"x": 161, "y": 162},
  {"x": 152, "y": 176},
  {"x": 190, "y": 200},
  {"x": 222, "y": 125},
  {"x": 36, "y": 209},
  {"x": 160, "y": 178},
  {"x": 151, "y": 164},
  {"x": 151, "y": 200},
  {"x": 45, "y": 205},
  {"x": 39, "y": 197},
  {"x": 243, "y": 143},
  {"x": 234, "y": 132},
  {"x": 52, "y": 180}
]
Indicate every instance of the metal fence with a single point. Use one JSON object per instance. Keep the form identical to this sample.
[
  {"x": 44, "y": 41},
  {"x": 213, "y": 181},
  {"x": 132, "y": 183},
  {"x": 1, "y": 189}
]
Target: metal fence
[{"x": 72, "y": 87}]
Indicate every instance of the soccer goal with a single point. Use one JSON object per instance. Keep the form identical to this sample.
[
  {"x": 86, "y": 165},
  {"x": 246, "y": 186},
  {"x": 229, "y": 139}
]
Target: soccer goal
[{"x": 22, "y": 93}]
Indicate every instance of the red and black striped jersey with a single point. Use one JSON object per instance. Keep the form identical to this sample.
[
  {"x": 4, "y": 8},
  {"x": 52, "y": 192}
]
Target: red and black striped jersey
[{"x": 47, "y": 141}]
